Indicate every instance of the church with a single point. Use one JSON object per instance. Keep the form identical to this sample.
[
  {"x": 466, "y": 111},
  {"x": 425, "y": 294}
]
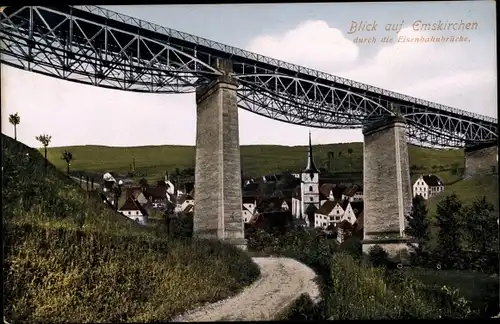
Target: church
[{"x": 306, "y": 201}]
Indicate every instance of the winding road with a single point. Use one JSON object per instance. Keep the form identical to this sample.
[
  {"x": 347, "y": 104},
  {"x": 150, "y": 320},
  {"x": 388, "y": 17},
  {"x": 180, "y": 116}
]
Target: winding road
[{"x": 281, "y": 282}]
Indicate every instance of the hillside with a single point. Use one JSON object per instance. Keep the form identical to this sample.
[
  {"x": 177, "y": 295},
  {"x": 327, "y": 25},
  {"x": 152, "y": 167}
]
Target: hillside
[
  {"x": 257, "y": 160},
  {"x": 69, "y": 258},
  {"x": 468, "y": 190}
]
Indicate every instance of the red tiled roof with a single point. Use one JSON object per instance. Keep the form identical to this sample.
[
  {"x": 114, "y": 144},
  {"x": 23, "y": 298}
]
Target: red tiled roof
[
  {"x": 344, "y": 204},
  {"x": 350, "y": 191},
  {"x": 249, "y": 200},
  {"x": 156, "y": 192},
  {"x": 432, "y": 180},
  {"x": 327, "y": 207},
  {"x": 326, "y": 188}
]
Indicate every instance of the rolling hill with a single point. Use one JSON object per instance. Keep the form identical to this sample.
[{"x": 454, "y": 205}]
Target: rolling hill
[{"x": 257, "y": 160}]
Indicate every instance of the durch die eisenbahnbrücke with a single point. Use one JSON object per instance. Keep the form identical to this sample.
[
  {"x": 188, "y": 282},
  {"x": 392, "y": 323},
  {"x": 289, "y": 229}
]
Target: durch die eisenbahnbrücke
[{"x": 96, "y": 46}]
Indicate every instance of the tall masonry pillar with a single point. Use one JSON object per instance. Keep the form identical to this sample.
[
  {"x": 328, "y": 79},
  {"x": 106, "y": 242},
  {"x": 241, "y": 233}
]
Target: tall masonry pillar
[
  {"x": 481, "y": 159},
  {"x": 387, "y": 188},
  {"x": 218, "y": 198}
]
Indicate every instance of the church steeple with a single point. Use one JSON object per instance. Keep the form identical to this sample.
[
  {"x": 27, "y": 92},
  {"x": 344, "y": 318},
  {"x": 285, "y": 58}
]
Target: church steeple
[{"x": 311, "y": 167}]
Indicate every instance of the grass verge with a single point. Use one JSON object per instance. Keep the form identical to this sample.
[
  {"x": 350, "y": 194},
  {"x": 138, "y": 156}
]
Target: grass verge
[{"x": 68, "y": 257}]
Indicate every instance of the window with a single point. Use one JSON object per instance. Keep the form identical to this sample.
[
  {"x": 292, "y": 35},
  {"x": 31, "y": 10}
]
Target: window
[
  {"x": 310, "y": 188},
  {"x": 311, "y": 198},
  {"x": 338, "y": 211},
  {"x": 128, "y": 213}
]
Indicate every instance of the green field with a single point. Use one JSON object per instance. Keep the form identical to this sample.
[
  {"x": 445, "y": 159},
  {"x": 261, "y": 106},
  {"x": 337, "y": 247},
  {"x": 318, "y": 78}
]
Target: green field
[
  {"x": 257, "y": 160},
  {"x": 70, "y": 258}
]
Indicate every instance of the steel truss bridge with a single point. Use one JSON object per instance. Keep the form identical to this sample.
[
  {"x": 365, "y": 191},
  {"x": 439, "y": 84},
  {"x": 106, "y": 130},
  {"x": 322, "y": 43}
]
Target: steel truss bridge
[{"x": 96, "y": 46}]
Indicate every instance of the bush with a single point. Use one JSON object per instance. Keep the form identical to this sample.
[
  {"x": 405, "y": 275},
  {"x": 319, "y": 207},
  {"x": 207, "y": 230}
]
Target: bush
[
  {"x": 378, "y": 257},
  {"x": 302, "y": 309},
  {"x": 362, "y": 292}
]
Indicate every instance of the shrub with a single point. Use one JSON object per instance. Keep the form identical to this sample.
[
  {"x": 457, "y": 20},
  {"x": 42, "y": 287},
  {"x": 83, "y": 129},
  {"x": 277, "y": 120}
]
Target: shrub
[
  {"x": 378, "y": 257},
  {"x": 302, "y": 309},
  {"x": 362, "y": 292}
]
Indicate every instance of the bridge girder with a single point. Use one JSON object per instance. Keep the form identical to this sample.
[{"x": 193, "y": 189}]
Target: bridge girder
[{"x": 54, "y": 41}]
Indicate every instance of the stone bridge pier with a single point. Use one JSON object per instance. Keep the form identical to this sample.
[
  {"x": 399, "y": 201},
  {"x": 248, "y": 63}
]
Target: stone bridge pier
[
  {"x": 481, "y": 159},
  {"x": 217, "y": 211},
  {"x": 387, "y": 187}
]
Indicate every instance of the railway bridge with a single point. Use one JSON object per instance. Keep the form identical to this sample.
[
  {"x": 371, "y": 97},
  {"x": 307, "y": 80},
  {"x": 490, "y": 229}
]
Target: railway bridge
[{"x": 96, "y": 46}]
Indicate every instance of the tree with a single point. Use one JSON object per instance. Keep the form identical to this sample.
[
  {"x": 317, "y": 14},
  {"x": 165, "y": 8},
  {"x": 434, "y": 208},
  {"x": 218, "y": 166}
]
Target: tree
[
  {"x": 45, "y": 140},
  {"x": 481, "y": 226},
  {"x": 448, "y": 219},
  {"x": 117, "y": 192},
  {"x": 67, "y": 156},
  {"x": 15, "y": 120},
  {"x": 418, "y": 222},
  {"x": 143, "y": 182}
]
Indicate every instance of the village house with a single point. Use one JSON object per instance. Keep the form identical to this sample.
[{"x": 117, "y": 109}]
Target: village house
[
  {"x": 157, "y": 197},
  {"x": 332, "y": 213},
  {"x": 353, "y": 193},
  {"x": 184, "y": 201},
  {"x": 249, "y": 207},
  {"x": 137, "y": 194},
  {"x": 272, "y": 205},
  {"x": 133, "y": 210},
  {"x": 428, "y": 186}
]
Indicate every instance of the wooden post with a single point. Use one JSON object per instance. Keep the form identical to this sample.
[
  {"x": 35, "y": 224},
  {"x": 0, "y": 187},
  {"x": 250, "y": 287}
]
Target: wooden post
[{"x": 87, "y": 185}]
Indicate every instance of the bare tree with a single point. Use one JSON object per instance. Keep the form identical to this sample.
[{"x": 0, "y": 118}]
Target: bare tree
[
  {"x": 67, "y": 156},
  {"x": 15, "y": 120},
  {"x": 45, "y": 140}
]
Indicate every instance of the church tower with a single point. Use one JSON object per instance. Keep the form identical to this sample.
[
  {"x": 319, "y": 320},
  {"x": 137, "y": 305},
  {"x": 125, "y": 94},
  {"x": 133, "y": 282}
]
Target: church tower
[{"x": 309, "y": 184}]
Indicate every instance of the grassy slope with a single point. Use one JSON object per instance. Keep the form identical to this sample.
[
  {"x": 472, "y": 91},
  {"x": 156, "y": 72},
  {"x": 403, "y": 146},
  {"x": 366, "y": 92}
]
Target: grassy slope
[
  {"x": 69, "y": 258},
  {"x": 468, "y": 190},
  {"x": 256, "y": 159}
]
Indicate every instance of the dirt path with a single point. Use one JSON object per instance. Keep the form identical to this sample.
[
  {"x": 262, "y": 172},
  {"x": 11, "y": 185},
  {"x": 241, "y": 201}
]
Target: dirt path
[{"x": 282, "y": 281}]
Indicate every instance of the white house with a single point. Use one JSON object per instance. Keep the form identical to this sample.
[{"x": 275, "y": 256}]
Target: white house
[
  {"x": 330, "y": 213},
  {"x": 133, "y": 210},
  {"x": 248, "y": 208},
  {"x": 184, "y": 202},
  {"x": 349, "y": 215},
  {"x": 428, "y": 186}
]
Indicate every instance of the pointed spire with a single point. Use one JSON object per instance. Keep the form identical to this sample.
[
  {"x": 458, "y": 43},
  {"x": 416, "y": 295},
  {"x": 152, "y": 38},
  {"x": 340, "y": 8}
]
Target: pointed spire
[{"x": 311, "y": 167}]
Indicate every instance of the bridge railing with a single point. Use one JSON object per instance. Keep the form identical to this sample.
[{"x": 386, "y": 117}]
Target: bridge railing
[{"x": 110, "y": 14}]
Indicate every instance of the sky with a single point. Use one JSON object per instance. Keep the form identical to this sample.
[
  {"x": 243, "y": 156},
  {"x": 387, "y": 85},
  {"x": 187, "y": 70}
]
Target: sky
[{"x": 461, "y": 75}]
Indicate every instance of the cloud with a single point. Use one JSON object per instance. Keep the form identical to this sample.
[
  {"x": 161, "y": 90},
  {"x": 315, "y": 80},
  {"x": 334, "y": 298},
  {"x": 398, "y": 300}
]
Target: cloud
[
  {"x": 312, "y": 43},
  {"x": 447, "y": 73}
]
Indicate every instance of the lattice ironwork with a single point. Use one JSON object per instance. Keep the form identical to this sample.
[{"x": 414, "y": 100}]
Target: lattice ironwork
[
  {"x": 96, "y": 46},
  {"x": 53, "y": 43}
]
